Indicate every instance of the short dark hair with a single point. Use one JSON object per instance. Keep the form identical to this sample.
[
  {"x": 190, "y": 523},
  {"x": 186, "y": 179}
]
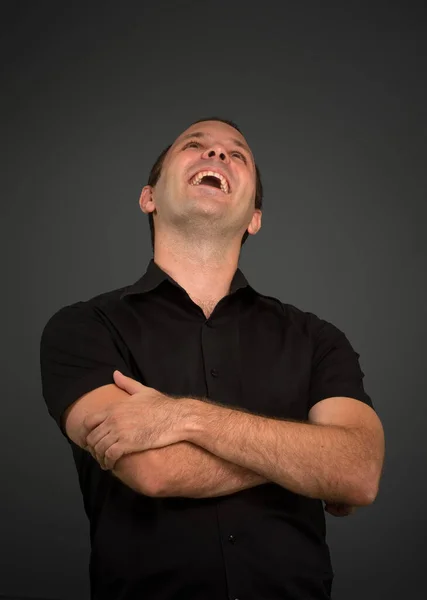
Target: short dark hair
[{"x": 157, "y": 168}]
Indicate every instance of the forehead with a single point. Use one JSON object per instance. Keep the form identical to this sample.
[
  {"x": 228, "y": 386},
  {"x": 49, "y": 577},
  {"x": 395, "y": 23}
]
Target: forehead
[{"x": 214, "y": 130}]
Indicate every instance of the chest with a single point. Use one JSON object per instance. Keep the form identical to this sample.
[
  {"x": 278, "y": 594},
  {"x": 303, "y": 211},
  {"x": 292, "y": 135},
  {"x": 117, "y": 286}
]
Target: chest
[{"x": 259, "y": 363}]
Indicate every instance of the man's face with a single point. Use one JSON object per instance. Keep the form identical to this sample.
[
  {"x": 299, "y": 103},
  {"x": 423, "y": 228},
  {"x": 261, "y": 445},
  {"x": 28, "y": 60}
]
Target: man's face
[{"x": 208, "y": 178}]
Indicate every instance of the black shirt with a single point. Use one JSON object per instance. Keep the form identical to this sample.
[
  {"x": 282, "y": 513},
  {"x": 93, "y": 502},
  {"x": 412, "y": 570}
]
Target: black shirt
[{"x": 253, "y": 352}]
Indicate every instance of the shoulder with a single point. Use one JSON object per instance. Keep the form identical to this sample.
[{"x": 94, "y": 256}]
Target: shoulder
[
  {"x": 94, "y": 309},
  {"x": 309, "y": 323}
]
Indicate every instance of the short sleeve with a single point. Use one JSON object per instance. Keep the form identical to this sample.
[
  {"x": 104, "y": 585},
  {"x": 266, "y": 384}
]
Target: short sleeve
[
  {"x": 78, "y": 354},
  {"x": 335, "y": 366}
]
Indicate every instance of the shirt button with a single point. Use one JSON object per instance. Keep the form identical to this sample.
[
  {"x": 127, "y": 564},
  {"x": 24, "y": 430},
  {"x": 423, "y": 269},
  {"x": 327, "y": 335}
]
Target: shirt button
[
  {"x": 232, "y": 540},
  {"x": 214, "y": 372}
]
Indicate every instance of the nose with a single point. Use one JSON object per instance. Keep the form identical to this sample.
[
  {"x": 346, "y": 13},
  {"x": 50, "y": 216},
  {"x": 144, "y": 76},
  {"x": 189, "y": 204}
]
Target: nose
[{"x": 216, "y": 151}]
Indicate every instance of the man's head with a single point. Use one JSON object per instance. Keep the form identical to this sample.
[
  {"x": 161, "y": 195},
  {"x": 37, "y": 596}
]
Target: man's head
[{"x": 182, "y": 193}]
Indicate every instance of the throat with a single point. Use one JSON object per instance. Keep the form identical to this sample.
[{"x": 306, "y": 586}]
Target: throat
[{"x": 207, "y": 305}]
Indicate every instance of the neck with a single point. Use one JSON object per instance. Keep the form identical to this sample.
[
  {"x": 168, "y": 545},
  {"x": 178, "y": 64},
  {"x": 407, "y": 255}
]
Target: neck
[{"x": 204, "y": 269}]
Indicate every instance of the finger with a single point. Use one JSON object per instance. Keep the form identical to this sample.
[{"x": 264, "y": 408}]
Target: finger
[
  {"x": 346, "y": 509},
  {"x": 127, "y": 383},
  {"x": 97, "y": 434},
  {"x": 112, "y": 455},
  {"x": 334, "y": 512},
  {"x": 92, "y": 421},
  {"x": 339, "y": 510},
  {"x": 103, "y": 446}
]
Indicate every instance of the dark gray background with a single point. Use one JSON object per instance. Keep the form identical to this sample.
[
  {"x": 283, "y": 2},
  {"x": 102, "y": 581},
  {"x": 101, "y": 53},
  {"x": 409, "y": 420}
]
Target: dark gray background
[{"x": 332, "y": 99}]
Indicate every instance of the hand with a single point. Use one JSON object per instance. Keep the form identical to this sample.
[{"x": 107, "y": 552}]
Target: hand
[
  {"x": 147, "y": 419},
  {"x": 339, "y": 510}
]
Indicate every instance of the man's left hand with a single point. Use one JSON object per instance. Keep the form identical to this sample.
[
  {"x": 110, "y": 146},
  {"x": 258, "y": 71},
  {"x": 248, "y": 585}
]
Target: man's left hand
[
  {"x": 147, "y": 419},
  {"x": 339, "y": 509}
]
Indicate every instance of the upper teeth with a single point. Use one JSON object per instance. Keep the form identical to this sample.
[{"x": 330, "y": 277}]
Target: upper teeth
[{"x": 199, "y": 176}]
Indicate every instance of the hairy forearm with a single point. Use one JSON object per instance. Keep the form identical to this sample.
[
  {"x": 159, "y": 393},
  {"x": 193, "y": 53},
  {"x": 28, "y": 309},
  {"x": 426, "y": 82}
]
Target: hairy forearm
[
  {"x": 187, "y": 470},
  {"x": 183, "y": 469},
  {"x": 332, "y": 463}
]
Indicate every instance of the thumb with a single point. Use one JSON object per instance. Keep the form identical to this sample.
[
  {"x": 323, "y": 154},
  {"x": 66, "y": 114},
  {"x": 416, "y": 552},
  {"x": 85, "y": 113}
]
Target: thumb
[{"x": 127, "y": 383}]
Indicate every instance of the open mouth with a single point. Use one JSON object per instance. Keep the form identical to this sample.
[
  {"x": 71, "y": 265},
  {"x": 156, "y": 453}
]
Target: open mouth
[{"x": 212, "y": 179}]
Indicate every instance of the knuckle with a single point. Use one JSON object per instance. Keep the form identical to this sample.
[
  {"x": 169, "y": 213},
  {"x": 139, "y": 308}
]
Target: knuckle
[{"x": 111, "y": 452}]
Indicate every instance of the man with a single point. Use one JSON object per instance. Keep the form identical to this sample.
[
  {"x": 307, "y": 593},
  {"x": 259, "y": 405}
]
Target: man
[{"x": 208, "y": 422}]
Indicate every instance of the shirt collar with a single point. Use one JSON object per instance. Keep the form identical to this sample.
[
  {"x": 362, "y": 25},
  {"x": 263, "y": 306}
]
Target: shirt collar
[{"x": 154, "y": 276}]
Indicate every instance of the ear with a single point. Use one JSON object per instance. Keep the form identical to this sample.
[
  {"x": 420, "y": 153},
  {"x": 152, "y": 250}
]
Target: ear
[
  {"x": 255, "y": 224},
  {"x": 146, "y": 201}
]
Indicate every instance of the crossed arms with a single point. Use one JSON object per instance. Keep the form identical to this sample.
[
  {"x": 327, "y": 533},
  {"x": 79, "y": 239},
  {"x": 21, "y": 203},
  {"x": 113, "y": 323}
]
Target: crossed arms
[
  {"x": 337, "y": 456},
  {"x": 181, "y": 469}
]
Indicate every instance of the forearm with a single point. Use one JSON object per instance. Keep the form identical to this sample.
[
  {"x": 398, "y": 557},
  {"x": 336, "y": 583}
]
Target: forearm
[
  {"x": 318, "y": 461},
  {"x": 191, "y": 471}
]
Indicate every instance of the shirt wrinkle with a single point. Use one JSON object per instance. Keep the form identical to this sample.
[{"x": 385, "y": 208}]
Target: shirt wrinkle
[{"x": 255, "y": 352}]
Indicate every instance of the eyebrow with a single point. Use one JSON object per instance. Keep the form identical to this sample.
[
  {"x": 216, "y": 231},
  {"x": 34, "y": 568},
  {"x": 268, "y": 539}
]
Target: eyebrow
[{"x": 200, "y": 134}]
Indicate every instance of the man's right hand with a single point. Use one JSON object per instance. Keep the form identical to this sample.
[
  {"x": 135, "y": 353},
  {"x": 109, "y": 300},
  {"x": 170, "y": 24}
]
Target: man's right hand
[{"x": 339, "y": 510}]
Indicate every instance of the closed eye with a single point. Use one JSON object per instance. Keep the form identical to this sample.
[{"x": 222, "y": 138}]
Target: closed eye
[
  {"x": 198, "y": 145},
  {"x": 240, "y": 155},
  {"x": 194, "y": 144}
]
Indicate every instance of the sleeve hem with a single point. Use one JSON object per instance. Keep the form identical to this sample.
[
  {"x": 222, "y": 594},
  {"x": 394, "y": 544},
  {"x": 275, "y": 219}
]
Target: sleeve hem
[
  {"x": 90, "y": 382},
  {"x": 347, "y": 393}
]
